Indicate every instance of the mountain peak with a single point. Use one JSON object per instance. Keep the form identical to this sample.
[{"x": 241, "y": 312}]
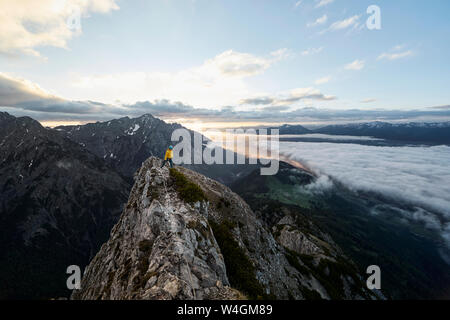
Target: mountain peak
[
  {"x": 146, "y": 116},
  {"x": 4, "y": 115}
]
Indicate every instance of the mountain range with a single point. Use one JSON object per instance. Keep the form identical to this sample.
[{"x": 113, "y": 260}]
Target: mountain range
[
  {"x": 126, "y": 143},
  {"x": 63, "y": 190},
  {"x": 412, "y": 132}
]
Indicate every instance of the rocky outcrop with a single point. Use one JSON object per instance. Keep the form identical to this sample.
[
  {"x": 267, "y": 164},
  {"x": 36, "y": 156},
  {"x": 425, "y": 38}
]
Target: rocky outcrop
[
  {"x": 293, "y": 239},
  {"x": 185, "y": 236},
  {"x": 162, "y": 248}
]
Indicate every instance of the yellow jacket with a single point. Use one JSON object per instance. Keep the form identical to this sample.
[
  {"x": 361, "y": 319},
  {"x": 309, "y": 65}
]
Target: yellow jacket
[{"x": 169, "y": 154}]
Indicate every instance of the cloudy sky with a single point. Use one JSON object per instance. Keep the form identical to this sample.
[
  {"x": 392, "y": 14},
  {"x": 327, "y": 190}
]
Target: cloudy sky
[{"x": 304, "y": 61}]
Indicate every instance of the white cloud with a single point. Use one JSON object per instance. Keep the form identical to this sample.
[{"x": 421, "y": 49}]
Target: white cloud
[
  {"x": 236, "y": 64},
  {"x": 28, "y": 24},
  {"x": 298, "y": 3},
  {"x": 398, "y": 47},
  {"x": 368, "y": 100},
  {"x": 281, "y": 54},
  {"x": 355, "y": 65},
  {"x": 288, "y": 98},
  {"x": 346, "y": 23},
  {"x": 395, "y": 56},
  {"x": 323, "y": 80},
  {"x": 305, "y": 93},
  {"x": 221, "y": 78},
  {"x": 320, "y": 185},
  {"x": 15, "y": 90},
  {"x": 319, "y": 21},
  {"x": 416, "y": 175},
  {"x": 20, "y": 94},
  {"x": 322, "y": 3},
  {"x": 311, "y": 51}
]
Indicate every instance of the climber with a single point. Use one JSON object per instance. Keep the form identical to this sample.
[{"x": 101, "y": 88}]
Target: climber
[{"x": 168, "y": 157}]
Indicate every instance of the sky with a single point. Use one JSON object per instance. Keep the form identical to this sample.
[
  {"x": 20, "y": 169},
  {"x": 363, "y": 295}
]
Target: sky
[{"x": 225, "y": 62}]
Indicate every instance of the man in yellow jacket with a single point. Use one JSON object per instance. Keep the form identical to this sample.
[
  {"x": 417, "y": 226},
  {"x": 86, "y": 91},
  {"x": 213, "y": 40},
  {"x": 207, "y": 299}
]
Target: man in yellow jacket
[{"x": 168, "y": 157}]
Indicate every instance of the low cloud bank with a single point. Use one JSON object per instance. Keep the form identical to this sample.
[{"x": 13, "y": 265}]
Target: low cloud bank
[{"x": 417, "y": 175}]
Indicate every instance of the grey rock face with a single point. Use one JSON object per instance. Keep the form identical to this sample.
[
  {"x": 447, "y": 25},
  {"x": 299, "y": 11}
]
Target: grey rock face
[
  {"x": 162, "y": 248},
  {"x": 297, "y": 241}
]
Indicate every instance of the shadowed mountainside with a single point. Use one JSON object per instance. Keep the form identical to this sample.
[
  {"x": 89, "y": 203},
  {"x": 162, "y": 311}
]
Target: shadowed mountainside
[{"x": 58, "y": 203}]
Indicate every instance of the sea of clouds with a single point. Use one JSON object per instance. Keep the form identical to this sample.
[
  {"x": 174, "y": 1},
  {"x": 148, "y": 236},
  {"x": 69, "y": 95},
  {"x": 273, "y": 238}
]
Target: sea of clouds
[
  {"x": 330, "y": 137},
  {"x": 417, "y": 175}
]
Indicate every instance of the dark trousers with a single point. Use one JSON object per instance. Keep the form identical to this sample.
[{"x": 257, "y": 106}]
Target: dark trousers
[{"x": 168, "y": 160}]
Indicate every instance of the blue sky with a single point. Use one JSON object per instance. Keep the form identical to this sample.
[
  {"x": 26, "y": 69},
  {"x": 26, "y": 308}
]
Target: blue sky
[{"x": 208, "y": 54}]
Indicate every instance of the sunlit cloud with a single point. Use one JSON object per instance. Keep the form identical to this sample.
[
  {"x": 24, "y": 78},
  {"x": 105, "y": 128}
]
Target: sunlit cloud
[
  {"x": 311, "y": 51},
  {"x": 349, "y": 23},
  {"x": 318, "y": 22},
  {"x": 395, "y": 55},
  {"x": 323, "y": 80},
  {"x": 322, "y": 3},
  {"x": 355, "y": 65},
  {"x": 289, "y": 98},
  {"x": 28, "y": 24}
]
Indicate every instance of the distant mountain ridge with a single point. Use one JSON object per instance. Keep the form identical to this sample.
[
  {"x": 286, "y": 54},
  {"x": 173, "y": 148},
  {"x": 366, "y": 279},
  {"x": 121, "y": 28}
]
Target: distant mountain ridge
[
  {"x": 292, "y": 129},
  {"x": 413, "y": 132}
]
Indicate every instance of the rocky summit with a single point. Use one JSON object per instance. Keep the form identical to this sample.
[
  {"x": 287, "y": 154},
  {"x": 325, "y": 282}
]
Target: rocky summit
[{"x": 185, "y": 236}]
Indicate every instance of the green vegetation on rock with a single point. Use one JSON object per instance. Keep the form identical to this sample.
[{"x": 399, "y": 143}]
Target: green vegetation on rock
[
  {"x": 187, "y": 190},
  {"x": 240, "y": 269}
]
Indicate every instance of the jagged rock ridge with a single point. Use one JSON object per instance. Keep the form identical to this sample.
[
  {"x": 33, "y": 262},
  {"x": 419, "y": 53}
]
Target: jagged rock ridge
[{"x": 166, "y": 247}]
